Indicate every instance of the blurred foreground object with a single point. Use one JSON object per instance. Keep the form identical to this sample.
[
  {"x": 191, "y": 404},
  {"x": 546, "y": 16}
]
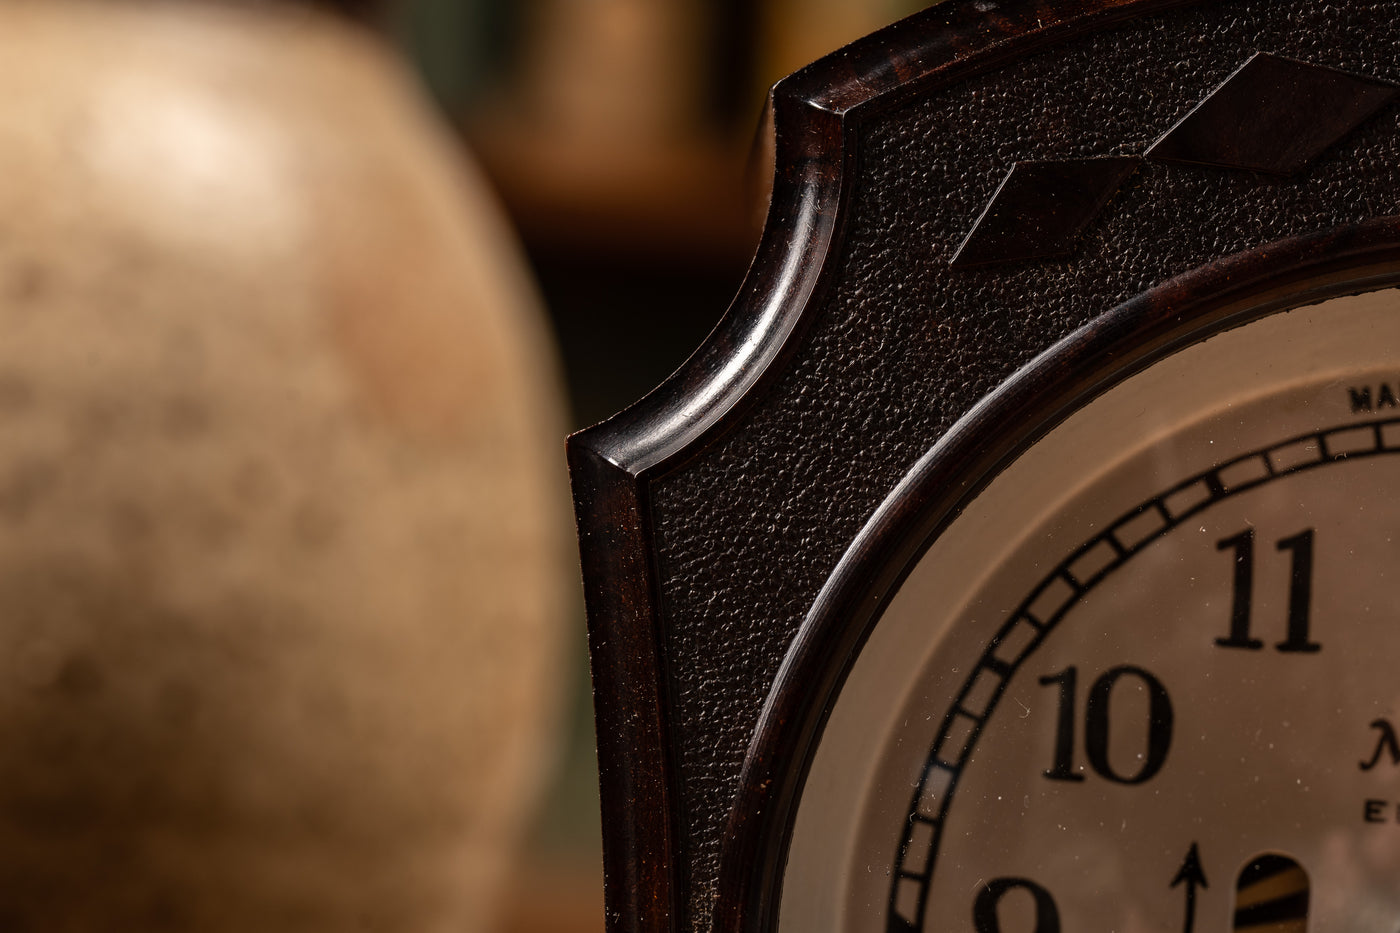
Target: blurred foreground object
[{"x": 282, "y": 524}]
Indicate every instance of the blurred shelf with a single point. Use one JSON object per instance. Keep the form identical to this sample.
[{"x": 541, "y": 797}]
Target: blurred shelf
[{"x": 681, "y": 202}]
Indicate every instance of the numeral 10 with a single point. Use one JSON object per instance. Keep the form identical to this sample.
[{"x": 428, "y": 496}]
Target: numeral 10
[{"x": 1096, "y": 725}]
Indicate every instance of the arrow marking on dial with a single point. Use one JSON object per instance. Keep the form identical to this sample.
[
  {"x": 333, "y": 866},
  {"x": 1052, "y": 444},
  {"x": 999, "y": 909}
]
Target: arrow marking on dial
[{"x": 1192, "y": 876}]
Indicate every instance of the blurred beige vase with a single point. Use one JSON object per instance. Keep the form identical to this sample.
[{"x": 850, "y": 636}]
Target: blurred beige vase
[{"x": 283, "y": 537}]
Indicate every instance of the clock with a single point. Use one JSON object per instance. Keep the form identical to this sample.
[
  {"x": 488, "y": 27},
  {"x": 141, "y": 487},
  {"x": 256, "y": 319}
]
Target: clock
[{"x": 1022, "y": 551}]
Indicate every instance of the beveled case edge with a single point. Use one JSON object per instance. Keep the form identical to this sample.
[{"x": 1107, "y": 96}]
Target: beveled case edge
[{"x": 816, "y": 116}]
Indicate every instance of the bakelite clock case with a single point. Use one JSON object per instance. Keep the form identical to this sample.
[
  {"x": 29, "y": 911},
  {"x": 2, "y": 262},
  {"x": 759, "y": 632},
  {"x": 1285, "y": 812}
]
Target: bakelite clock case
[{"x": 981, "y": 217}]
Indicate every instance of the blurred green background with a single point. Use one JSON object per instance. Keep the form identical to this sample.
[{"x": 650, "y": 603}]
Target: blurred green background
[{"x": 620, "y": 137}]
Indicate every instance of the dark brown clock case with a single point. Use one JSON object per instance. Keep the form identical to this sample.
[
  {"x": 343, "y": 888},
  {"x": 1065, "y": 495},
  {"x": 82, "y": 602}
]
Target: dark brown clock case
[{"x": 980, "y": 217}]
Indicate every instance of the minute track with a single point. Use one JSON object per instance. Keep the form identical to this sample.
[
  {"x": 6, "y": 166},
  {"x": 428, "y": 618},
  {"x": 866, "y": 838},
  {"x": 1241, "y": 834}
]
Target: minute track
[{"x": 1061, "y": 589}]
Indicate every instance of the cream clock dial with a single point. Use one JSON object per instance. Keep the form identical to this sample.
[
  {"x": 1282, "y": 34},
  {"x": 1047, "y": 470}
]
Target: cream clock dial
[{"x": 1146, "y": 681}]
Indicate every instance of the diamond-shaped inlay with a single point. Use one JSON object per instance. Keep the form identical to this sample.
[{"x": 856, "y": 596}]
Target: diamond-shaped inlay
[
  {"x": 1273, "y": 115},
  {"x": 1041, "y": 209}
]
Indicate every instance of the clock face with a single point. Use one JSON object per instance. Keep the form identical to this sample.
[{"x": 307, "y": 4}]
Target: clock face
[{"x": 1149, "y": 679}]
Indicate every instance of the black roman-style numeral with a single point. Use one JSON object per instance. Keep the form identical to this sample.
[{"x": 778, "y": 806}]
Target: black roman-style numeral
[{"x": 1300, "y": 547}]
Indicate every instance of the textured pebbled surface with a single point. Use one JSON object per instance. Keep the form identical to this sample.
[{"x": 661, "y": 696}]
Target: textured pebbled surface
[{"x": 901, "y": 346}]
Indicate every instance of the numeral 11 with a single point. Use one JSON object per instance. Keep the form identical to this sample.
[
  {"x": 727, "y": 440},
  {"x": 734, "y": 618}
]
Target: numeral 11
[{"x": 1300, "y": 546}]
